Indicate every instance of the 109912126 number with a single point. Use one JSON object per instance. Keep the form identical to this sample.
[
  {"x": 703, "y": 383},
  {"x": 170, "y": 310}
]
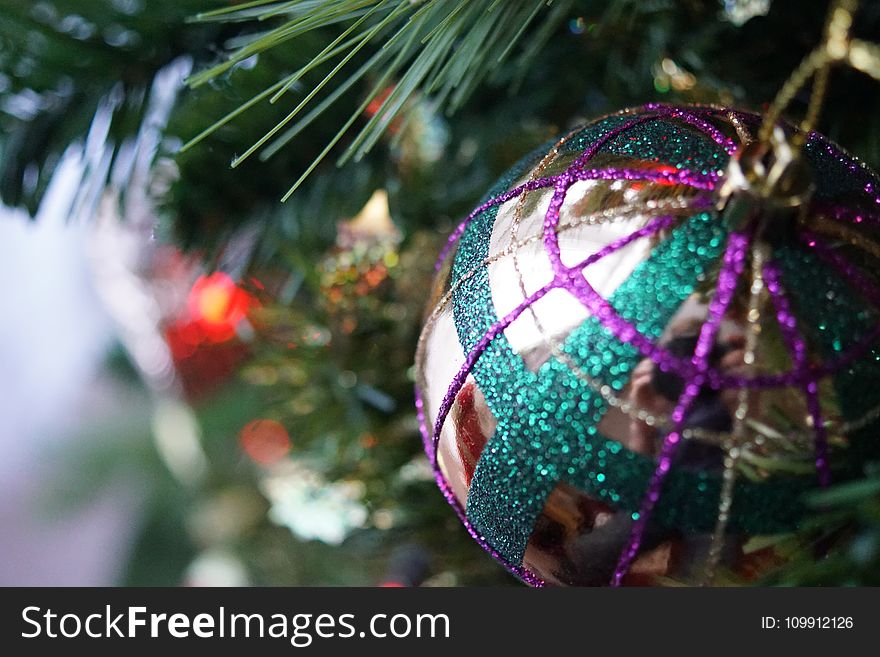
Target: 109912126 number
[{"x": 818, "y": 622}]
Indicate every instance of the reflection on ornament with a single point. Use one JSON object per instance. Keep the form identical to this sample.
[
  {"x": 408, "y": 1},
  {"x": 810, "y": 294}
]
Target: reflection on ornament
[{"x": 618, "y": 382}]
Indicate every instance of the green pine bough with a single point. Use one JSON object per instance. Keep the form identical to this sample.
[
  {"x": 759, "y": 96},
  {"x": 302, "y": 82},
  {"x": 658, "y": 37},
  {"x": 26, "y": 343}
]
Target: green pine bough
[{"x": 438, "y": 48}]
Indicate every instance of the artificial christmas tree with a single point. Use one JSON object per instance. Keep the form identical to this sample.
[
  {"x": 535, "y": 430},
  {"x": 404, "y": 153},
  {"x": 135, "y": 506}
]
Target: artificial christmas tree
[{"x": 424, "y": 104}]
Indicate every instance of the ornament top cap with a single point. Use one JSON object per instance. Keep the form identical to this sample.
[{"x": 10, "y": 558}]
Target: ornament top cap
[
  {"x": 766, "y": 180},
  {"x": 772, "y": 171}
]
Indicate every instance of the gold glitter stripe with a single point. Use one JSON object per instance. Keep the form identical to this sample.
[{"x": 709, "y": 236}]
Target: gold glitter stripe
[{"x": 737, "y": 439}]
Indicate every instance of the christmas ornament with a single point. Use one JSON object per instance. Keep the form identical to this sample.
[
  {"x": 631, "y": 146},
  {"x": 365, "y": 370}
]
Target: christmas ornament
[
  {"x": 651, "y": 338},
  {"x": 354, "y": 273},
  {"x": 312, "y": 507}
]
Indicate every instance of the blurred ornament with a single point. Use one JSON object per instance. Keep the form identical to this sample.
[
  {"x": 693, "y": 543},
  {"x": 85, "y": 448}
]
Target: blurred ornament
[
  {"x": 310, "y": 506},
  {"x": 669, "y": 75},
  {"x": 360, "y": 263},
  {"x": 648, "y": 342},
  {"x": 739, "y": 12},
  {"x": 214, "y": 310},
  {"x": 420, "y": 139},
  {"x": 372, "y": 224},
  {"x": 423, "y": 139}
]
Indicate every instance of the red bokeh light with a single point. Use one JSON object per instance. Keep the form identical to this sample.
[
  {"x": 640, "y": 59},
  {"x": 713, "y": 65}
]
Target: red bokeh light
[
  {"x": 265, "y": 441},
  {"x": 217, "y": 305},
  {"x": 375, "y": 105}
]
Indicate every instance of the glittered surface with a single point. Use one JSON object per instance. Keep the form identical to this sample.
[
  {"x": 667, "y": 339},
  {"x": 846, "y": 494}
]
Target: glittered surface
[{"x": 547, "y": 419}]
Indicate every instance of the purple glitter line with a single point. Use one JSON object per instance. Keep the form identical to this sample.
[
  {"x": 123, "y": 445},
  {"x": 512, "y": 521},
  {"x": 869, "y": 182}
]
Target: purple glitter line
[
  {"x": 431, "y": 442},
  {"x": 551, "y": 221},
  {"x": 680, "y": 177},
  {"x": 590, "y": 298},
  {"x": 843, "y": 267},
  {"x": 719, "y": 381},
  {"x": 652, "y": 227},
  {"x": 797, "y": 348},
  {"x": 420, "y": 414},
  {"x": 714, "y": 133},
  {"x": 474, "y": 355},
  {"x": 531, "y": 185},
  {"x": 692, "y": 117},
  {"x": 858, "y": 217},
  {"x": 663, "y": 111},
  {"x": 731, "y": 268},
  {"x": 518, "y": 571},
  {"x": 628, "y": 333},
  {"x": 608, "y": 136}
]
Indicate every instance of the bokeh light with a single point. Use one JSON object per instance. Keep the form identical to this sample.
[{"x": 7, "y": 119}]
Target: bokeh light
[{"x": 265, "y": 441}]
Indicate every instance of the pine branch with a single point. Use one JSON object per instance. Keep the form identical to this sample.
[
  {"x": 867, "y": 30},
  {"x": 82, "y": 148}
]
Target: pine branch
[
  {"x": 439, "y": 48},
  {"x": 62, "y": 62},
  {"x": 844, "y": 531}
]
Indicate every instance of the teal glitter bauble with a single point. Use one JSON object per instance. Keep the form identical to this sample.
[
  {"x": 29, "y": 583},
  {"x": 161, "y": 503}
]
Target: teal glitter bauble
[{"x": 618, "y": 382}]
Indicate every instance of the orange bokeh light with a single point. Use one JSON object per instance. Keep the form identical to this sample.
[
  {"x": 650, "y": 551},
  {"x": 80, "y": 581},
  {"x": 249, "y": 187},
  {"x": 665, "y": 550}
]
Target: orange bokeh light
[
  {"x": 217, "y": 305},
  {"x": 265, "y": 441}
]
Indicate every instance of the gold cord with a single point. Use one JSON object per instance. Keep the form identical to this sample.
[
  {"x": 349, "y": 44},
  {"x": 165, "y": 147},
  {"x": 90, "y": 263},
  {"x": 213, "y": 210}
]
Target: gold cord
[{"x": 836, "y": 49}]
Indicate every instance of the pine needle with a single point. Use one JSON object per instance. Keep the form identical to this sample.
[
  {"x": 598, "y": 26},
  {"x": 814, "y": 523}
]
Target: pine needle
[
  {"x": 328, "y": 48},
  {"x": 438, "y": 49},
  {"x": 363, "y": 42}
]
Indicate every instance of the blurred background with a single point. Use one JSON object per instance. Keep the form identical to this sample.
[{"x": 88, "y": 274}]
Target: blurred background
[{"x": 201, "y": 385}]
